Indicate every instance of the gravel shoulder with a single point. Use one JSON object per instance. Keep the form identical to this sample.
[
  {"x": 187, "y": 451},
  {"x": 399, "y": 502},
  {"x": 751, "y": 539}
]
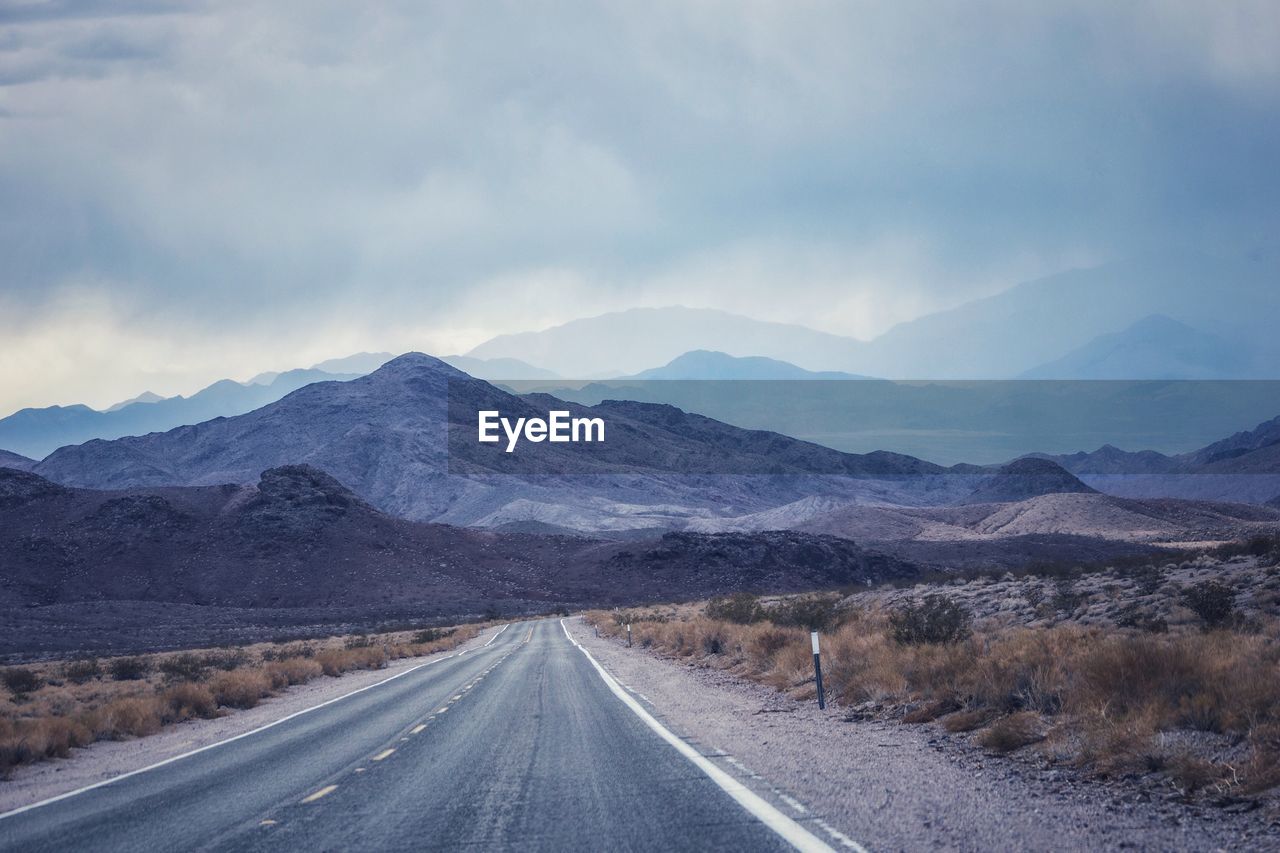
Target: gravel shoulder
[
  {"x": 894, "y": 787},
  {"x": 105, "y": 759}
]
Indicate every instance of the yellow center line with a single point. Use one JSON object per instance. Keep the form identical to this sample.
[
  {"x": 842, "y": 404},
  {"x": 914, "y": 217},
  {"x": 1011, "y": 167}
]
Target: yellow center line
[
  {"x": 442, "y": 710},
  {"x": 323, "y": 792},
  {"x": 381, "y": 755},
  {"x": 418, "y": 728},
  {"x": 267, "y": 822}
]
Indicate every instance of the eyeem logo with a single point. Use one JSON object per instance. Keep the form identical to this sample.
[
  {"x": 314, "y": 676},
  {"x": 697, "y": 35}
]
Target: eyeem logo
[{"x": 557, "y": 427}]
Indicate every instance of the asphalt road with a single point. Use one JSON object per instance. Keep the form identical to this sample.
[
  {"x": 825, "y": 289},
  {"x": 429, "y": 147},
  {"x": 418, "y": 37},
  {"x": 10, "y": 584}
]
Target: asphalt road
[{"x": 523, "y": 744}]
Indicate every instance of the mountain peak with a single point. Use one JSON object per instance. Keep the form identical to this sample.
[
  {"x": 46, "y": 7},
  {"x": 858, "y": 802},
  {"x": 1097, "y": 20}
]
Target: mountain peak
[{"x": 1028, "y": 477}]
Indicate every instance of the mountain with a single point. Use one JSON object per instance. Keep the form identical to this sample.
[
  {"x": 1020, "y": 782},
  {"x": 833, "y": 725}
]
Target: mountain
[
  {"x": 37, "y": 432},
  {"x": 1040, "y": 321},
  {"x": 627, "y": 342},
  {"x": 1244, "y": 467},
  {"x": 404, "y": 439},
  {"x": 705, "y": 364},
  {"x": 296, "y": 538},
  {"x": 15, "y": 461},
  {"x": 497, "y": 368},
  {"x": 144, "y": 397},
  {"x": 1027, "y": 478},
  {"x": 1156, "y": 347},
  {"x": 1054, "y": 325},
  {"x": 358, "y": 364}
]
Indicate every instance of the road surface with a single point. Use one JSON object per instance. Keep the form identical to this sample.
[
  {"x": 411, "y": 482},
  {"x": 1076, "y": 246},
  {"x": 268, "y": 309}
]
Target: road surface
[{"x": 522, "y": 744}]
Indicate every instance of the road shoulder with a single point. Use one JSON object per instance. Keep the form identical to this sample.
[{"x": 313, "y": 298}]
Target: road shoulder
[
  {"x": 106, "y": 759},
  {"x": 890, "y": 786}
]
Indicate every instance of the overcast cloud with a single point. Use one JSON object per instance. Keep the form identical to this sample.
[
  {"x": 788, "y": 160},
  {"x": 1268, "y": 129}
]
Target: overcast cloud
[{"x": 195, "y": 191}]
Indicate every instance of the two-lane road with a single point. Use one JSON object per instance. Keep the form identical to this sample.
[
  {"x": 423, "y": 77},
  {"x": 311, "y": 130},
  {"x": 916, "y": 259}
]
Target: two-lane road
[{"x": 523, "y": 744}]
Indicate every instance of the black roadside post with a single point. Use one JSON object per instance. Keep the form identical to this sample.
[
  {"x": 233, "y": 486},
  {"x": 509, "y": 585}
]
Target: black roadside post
[
  {"x": 628, "y": 635},
  {"x": 817, "y": 671}
]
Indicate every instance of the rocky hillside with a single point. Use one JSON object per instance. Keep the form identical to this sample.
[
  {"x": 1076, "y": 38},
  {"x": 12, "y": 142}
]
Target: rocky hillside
[
  {"x": 299, "y": 539},
  {"x": 13, "y": 460}
]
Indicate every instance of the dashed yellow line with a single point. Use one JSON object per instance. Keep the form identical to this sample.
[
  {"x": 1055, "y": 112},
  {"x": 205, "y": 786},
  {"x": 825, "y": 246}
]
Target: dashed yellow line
[
  {"x": 384, "y": 754},
  {"x": 442, "y": 710},
  {"x": 267, "y": 822},
  {"x": 323, "y": 792},
  {"x": 418, "y": 728}
]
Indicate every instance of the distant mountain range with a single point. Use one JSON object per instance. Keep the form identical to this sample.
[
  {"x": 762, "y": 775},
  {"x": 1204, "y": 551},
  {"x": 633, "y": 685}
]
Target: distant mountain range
[
  {"x": 403, "y": 438},
  {"x": 1092, "y": 320},
  {"x": 1155, "y": 347},
  {"x": 1243, "y": 467},
  {"x": 38, "y": 432}
]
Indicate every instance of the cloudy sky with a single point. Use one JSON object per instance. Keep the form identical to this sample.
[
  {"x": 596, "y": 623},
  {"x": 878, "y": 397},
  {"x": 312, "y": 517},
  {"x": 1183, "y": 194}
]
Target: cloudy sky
[{"x": 193, "y": 191}]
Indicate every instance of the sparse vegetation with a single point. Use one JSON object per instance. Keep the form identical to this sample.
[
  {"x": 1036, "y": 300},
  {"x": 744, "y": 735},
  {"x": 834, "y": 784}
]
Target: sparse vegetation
[
  {"x": 1112, "y": 700},
  {"x": 936, "y": 619},
  {"x": 48, "y": 717}
]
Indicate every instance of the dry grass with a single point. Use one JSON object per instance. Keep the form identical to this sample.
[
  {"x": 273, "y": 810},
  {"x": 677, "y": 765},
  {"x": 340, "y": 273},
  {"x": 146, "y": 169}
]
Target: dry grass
[
  {"x": 59, "y": 707},
  {"x": 1107, "y": 695}
]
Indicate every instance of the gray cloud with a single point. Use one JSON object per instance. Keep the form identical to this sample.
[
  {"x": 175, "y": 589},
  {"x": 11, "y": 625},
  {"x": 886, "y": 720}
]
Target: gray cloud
[{"x": 428, "y": 174}]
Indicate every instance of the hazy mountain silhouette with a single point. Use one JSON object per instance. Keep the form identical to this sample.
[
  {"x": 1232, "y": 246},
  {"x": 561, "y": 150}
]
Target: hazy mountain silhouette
[
  {"x": 1026, "y": 328},
  {"x": 705, "y": 364},
  {"x": 497, "y": 368},
  {"x": 627, "y": 342},
  {"x": 144, "y": 397},
  {"x": 1156, "y": 347},
  {"x": 1040, "y": 321},
  {"x": 38, "y": 432}
]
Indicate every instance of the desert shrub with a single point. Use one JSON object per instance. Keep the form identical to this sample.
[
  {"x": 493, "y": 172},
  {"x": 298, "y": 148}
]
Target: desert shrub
[
  {"x": 967, "y": 721},
  {"x": 1012, "y": 732},
  {"x": 290, "y": 671},
  {"x": 225, "y": 659},
  {"x": 1066, "y": 599},
  {"x": 21, "y": 680},
  {"x": 184, "y": 667},
  {"x": 359, "y": 641},
  {"x": 132, "y": 717},
  {"x": 1211, "y": 601},
  {"x": 240, "y": 689},
  {"x": 936, "y": 619},
  {"x": 130, "y": 669},
  {"x": 186, "y": 700},
  {"x": 1033, "y": 594},
  {"x": 742, "y": 608},
  {"x": 431, "y": 635},
  {"x": 80, "y": 671},
  {"x": 812, "y": 612}
]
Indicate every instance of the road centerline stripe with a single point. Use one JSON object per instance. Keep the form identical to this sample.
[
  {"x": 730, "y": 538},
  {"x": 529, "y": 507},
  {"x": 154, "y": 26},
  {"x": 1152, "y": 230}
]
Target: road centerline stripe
[
  {"x": 386, "y": 753},
  {"x": 323, "y": 792}
]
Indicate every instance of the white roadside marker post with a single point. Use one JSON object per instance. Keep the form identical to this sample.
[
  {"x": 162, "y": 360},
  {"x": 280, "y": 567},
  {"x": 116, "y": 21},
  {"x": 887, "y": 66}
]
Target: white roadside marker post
[
  {"x": 817, "y": 671},
  {"x": 628, "y": 635}
]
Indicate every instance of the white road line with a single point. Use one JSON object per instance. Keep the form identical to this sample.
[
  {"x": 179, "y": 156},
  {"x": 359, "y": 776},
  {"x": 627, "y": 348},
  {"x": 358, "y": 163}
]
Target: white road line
[
  {"x": 764, "y": 811},
  {"x": 233, "y": 739}
]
